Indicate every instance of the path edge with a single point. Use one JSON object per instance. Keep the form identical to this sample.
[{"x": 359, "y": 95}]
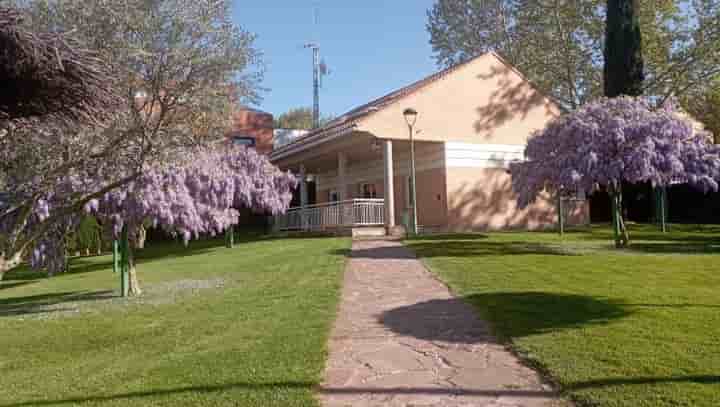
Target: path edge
[
  {"x": 317, "y": 389},
  {"x": 546, "y": 377}
]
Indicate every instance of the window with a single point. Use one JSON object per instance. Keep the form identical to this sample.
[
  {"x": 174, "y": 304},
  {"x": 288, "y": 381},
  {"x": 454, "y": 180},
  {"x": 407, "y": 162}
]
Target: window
[
  {"x": 244, "y": 141},
  {"x": 333, "y": 196},
  {"x": 368, "y": 191}
]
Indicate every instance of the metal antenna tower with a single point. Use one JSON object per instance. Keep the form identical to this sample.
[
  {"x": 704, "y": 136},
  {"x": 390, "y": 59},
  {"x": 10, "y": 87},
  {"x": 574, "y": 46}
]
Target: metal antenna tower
[
  {"x": 319, "y": 70},
  {"x": 316, "y": 83}
]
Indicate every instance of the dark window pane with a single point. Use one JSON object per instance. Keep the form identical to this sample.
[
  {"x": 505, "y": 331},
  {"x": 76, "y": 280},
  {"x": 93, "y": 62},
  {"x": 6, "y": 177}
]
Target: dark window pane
[{"x": 244, "y": 141}]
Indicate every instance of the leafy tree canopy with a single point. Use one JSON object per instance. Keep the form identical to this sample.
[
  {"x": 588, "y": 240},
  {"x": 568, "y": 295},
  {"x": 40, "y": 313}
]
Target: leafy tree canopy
[
  {"x": 179, "y": 66},
  {"x": 558, "y": 44},
  {"x": 300, "y": 118},
  {"x": 704, "y": 105}
]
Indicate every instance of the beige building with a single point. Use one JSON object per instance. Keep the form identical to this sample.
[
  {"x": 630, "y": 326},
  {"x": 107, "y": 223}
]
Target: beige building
[{"x": 473, "y": 120}]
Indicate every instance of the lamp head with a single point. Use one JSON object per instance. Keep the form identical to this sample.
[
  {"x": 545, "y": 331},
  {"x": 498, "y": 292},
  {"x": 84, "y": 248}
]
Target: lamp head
[{"x": 410, "y": 116}]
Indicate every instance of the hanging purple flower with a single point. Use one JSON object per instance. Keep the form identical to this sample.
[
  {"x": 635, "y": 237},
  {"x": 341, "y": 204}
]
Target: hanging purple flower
[{"x": 614, "y": 140}]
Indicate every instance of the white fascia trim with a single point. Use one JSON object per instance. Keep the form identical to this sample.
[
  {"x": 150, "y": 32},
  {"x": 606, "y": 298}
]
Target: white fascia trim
[
  {"x": 305, "y": 145},
  {"x": 471, "y": 155},
  {"x": 509, "y": 148}
]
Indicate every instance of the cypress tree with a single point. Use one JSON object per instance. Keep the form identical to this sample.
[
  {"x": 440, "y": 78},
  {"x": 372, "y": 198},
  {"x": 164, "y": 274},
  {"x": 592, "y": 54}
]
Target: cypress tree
[
  {"x": 624, "y": 66},
  {"x": 624, "y": 74}
]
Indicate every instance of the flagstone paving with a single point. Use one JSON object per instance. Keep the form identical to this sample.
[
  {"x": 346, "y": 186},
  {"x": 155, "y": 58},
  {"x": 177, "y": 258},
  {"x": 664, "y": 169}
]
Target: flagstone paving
[{"x": 402, "y": 339}]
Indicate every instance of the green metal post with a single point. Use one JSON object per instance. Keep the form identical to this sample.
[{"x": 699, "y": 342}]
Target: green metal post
[
  {"x": 561, "y": 214},
  {"x": 230, "y": 237},
  {"x": 124, "y": 262},
  {"x": 116, "y": 256},
  {"x": 658, "y": 207},
  {"x": 663, "y": 210},
  {"x": 615, "y": 220}
]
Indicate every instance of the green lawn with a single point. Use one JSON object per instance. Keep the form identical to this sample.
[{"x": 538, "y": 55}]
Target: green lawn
[
  {"x": 635, "y": 327},
  {"x": 244, "y": 326}
]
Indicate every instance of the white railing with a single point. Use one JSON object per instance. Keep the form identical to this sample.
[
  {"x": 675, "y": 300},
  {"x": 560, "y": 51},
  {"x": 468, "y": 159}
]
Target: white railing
[{"x": 354, "y": 212}]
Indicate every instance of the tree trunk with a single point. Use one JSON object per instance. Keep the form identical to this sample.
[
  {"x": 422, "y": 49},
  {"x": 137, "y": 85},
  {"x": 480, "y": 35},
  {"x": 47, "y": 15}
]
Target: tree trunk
[
  {"x": 230, "y": 237},
  {"x": 7, "y": 264},
  {"x": 622, "y": 238},
  {"x": 134, "y": 285},
  {"x": 141, "y": 236}
]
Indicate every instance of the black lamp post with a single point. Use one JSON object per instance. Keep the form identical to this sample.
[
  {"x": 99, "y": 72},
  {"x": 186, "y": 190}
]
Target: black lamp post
[{"x": 410, "y": 118}]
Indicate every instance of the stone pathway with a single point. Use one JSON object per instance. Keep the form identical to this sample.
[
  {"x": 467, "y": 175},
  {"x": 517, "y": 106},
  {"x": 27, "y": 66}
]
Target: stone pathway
[{"x": 401, "y": 339}]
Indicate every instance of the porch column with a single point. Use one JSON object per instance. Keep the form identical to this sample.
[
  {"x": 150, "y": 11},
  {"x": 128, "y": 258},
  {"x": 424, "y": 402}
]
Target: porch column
[
  {"x": 303, "y": 198},
  {"x": 389, "y": 184},
  {"x": 303, "y": 187},
  {"x": 341, "y": 187}
]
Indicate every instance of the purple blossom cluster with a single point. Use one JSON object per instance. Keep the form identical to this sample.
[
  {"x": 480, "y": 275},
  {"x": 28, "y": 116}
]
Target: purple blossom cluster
[
  {"x": 197, "y": 195},
  {"x": 614, "y": 140}
]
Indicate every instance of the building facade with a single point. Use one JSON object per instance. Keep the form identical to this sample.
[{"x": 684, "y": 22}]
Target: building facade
[{"x": 474, "y": 119}]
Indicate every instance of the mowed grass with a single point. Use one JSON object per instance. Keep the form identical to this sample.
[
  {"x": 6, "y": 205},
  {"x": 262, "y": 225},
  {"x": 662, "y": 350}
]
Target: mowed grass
[
  {"x": 257, "y": 338},
  {"x": 635, "y": 327}
]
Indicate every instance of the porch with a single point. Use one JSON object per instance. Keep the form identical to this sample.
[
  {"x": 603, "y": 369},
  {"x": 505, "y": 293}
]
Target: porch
[
  {"x": 333, "y": 215},
  {"x": 361, "y": 181}
]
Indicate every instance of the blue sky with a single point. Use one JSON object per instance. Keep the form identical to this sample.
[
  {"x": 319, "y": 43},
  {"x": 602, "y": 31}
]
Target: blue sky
[{"x": 371, "y": 47}]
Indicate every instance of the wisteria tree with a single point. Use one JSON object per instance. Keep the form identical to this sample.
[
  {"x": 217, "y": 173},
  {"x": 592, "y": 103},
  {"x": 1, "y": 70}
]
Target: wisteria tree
[
  {"x": 185, "y": 197},
  {"x": 610, "y": 141},
  {"x": 51, "y": 82},
  {"x": 178, "y": 66}
]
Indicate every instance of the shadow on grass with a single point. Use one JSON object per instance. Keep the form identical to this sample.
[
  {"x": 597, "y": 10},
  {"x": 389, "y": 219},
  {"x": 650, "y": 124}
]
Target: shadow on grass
[
  {"x": 442, "y": 237},
  {"x": 644, "y": 240},
  {"x": 625, "y": 381},
  {"x": 513, "y": 314},
  {"x": 156, "y": 250},
  {"x": 91, "y": 264},
  {"x": 676, "y": 247},
  {"x": 13, "y": 284},
  {"x": 480, "y": 247},
  {"x": 22, "y": 273},
  {"x": 683, "y": 234},
  {"x": 166, "y": 392},
  {"x": 678, "y": 305},
  {"x": 309, "y": 386},
  {"x": 455, "y": 248},
  {"x": 46, "y": 303}
]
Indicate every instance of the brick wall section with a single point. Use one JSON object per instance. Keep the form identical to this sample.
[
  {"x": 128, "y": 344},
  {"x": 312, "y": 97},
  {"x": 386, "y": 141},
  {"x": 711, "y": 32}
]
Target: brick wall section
[{"x": 256, "y": 124}]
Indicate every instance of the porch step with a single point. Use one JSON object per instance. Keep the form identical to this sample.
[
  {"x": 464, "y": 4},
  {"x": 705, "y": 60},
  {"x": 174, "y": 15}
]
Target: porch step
[
  {"x": 368, "y": 232},
  {"x": 378, "y": 239}
]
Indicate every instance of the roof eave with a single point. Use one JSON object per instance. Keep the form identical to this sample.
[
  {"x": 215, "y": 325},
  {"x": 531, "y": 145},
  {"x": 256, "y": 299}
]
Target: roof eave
[{"x": 312, "y": 140}]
